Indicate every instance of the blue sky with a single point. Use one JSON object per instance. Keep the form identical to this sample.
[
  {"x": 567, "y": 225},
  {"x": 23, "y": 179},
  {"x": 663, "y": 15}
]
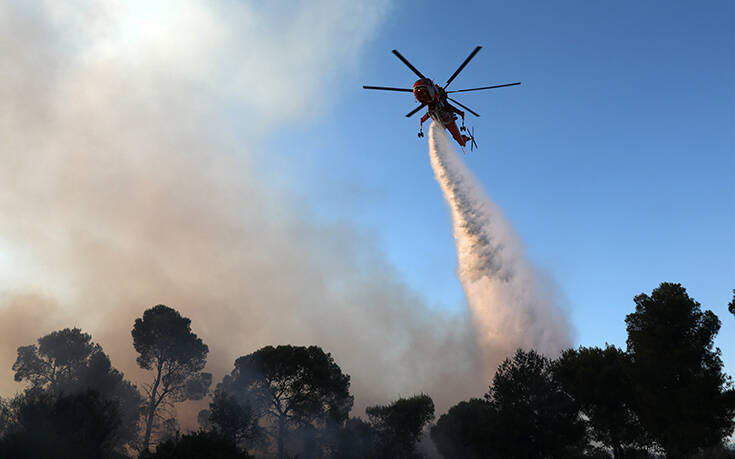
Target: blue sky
[{"x": 614, "y": 159}]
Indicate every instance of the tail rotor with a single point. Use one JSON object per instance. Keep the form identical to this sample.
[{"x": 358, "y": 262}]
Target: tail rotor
[{"x": 471, "y": 135}]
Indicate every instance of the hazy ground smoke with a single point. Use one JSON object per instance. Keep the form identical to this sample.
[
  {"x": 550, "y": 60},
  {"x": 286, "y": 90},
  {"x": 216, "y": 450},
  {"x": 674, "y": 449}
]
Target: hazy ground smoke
[{"x": 508, "y": 303}]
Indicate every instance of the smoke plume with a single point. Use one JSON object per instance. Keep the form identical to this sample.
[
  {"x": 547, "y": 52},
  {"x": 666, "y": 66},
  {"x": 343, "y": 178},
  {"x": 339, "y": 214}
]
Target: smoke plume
[
  {"x": 511, "y": 306},
  {"x": 130, "y": 150}
]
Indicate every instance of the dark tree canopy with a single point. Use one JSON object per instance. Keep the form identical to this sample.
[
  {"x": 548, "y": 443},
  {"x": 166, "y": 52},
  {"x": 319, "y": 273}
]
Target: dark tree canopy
[
  {"x": 599, "y": 380},
  {"x": 294, "y": 387},
  {"x": 731, "y": 305},
  {"x": 465, "y": 430},
  {"x": 69, "y": 426},
  {"x": 166, "y": 345},
  {"x": 356, "y": 440},
  {"x": 683, "y": 398},
  {"x": 58, "y": 360},
  {"x": 235, "y": 422},
  {"x": 68, "y": 362},
  {"x": 537, "y": 418},
  {"x": 399, "y": 425}
]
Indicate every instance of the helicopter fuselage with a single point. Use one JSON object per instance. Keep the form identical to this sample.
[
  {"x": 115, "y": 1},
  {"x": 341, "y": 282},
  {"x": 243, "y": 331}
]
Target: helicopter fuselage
[{"x": 435, "y": 98}]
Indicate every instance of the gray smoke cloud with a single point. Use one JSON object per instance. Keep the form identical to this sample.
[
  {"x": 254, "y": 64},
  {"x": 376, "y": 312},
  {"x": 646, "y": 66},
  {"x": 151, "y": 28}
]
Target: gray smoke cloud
[
  {"x": 130, "y": 177},
  {"x": 512, "y": 305}
]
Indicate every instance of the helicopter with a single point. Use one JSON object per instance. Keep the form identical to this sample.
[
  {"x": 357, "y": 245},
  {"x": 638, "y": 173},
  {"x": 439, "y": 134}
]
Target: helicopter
[{"x": 436, "y": 99}]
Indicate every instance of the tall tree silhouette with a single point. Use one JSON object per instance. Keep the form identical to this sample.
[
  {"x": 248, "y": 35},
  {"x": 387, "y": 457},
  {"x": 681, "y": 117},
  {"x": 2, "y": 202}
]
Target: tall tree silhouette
[
  {"x": 684, "y": 399},
  {"x": 599, "y": 380},
  {"x": 536, "y": 417},
  {"x": 731, "y": 306},
  {"x": 294, "y": 387},
  {"x": 68, "y": 362},
  {"x": 399, "y": 425},
  {"x": 169, "y": 348}
]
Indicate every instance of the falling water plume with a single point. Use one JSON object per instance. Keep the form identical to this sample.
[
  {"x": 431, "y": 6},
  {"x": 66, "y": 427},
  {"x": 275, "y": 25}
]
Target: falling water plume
[{"x": 512, "y": 307}]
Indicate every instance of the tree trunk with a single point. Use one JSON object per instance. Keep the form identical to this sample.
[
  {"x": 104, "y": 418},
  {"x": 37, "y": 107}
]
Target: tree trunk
[
  {"x": 281, "y": 433},
  {"x": 152, "y": 409}
]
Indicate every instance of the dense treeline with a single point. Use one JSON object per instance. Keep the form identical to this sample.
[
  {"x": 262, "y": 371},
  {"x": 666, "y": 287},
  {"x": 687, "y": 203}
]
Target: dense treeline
[{"x": 665, "y": 395}]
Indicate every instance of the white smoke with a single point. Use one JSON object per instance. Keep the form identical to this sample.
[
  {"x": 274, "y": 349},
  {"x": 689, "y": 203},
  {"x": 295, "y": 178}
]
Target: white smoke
[
  {"x": 512, "y": 308},
  {"x": 129, "y": 176}
]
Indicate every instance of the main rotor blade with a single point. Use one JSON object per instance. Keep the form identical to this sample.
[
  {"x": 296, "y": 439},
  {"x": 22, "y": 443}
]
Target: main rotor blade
[
  {"x": 466, "y": 61},
  {"x": 383, "y": 88},
  {"x": 412, "y": 112},
  {"x": 466, "y": 108},
  {"x": 486, "y": 87},
  {"x": 408, "y": 64}
]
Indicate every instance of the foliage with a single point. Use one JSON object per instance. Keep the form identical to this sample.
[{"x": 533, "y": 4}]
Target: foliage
[
  {"x": 5, "y": 417},
  {"x": 399, "y": 425},
  {"x": 58, "y": 361},
  {"x": 68, "y": 362},
  {"x": 68, "y": 426},
  {"x": 356, "y": 440},
  {"x": 232, "y": 421},
  {"x": 536, "y": 417},
  {"x": 166, "y": 345},
  {"x": 292, "y": 387},
  {"x": 196, "y": 445},
  {"x": 683, "y": 398},
  {"x": 731, "y": 305},
  {"x": 599, "y": 380},
  {"x": 465, "y": 430}
]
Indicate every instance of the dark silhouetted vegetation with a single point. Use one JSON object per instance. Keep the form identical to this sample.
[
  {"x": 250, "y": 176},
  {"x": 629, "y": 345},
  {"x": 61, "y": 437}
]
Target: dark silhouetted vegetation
[
  {"x": 68, "y": 362},
  {"x": 682, "y": 396},
  {"x": 233, "y": 421},
  {"x": 166, "y": 345},
  {"x": 599, "y": 380},
  {"x": 67, "y": 426},
  {"x": 293, "y": 388},
  {"x": 398, "y": 426},
  {"x": 535, "y": 417},
  {"x": 666, "y": 395},
  {"x": 465, "y": 430}
]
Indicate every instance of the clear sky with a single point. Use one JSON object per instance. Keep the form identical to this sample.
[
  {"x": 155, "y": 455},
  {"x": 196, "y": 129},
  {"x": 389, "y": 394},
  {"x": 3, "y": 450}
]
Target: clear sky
[{"x": 614, "y": 159}]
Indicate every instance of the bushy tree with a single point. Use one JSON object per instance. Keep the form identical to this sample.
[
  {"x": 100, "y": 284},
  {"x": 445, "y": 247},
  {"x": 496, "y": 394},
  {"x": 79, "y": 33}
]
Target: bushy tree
[
  {"x": 291, "y": 388},
  {"x": 599, "y": 380},
  {"x": 356, "y": 440},
  {"x": 175, "y": 354},
  {"x": 731, "y": 305},
  {"x": 683, "y": 398},
  {"x": 465, "y": 430},
  {"x": 68, "y": 426},
  {"x": 399, "y": 425},
  {"x": 233, "y": 421},
  {"x": 536, "y": 418},
  {"x": 68, "y": 362}
]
